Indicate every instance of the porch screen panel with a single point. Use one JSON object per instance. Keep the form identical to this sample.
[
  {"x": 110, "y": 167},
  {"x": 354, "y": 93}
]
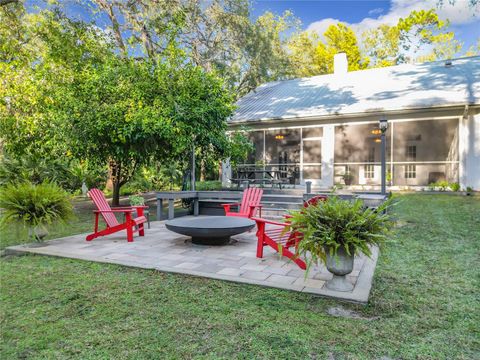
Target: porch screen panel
[
  {"x": 312, "y": 159},
  {"x": 256, "y": 156},
  {"x": 282, "y": 153},
  {"x": 425, "y": 152},
  {"x": 358, "y": 152},
  {"x": 282, "y": 146}
]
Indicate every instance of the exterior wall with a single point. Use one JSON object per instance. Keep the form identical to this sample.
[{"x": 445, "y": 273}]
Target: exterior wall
[{"x": 470, "y": 151}]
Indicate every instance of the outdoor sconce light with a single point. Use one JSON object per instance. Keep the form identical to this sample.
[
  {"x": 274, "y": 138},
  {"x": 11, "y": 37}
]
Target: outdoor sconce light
[
  {"x": 383, "y": 125},
  {"x": 376, "y": 131}
]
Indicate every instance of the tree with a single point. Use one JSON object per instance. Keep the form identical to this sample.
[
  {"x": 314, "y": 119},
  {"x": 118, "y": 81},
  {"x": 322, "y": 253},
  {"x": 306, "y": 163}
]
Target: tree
[
  {"x": 221, "y": 37},
  {"x": 218, "y": 36},
  {"x": 131, "y": 112},
  {"x": 473, "y": 50},
  {"x": 302, "y": 49},
  {"x": 419, "y": 31},
  {"x": 40, "y": 53},
  {"x": 315, "y": 57}
]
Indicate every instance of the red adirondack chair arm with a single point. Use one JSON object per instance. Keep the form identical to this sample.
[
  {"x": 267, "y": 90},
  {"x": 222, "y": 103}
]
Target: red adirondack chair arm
[
  {"x": 265, "y": 221},
  {"x": 226, "y": 207}
]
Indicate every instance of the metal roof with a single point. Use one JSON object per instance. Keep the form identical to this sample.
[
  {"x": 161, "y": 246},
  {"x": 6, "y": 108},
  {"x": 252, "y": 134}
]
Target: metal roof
[{"x": 401, "y": 87}]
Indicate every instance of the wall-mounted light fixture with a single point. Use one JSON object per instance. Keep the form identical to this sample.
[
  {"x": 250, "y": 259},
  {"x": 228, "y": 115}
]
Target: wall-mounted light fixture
[
  {"x": 376, "y": 131},
  {"x": 383, "y": 125}
]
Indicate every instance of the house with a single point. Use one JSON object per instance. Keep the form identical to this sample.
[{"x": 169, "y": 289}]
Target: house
[{"x": 320, "y": 128}]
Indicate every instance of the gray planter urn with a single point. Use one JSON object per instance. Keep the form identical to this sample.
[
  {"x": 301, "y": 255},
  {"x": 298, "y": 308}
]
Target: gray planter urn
[{"x": 339, "y": 265}]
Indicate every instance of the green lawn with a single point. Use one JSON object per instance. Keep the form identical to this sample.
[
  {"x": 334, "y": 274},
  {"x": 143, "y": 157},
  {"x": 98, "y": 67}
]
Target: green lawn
[{"x": 424, "y": 304}]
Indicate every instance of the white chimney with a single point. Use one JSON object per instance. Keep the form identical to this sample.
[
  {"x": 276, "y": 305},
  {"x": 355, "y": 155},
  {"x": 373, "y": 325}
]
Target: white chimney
[{"x": 340, "y": 64}]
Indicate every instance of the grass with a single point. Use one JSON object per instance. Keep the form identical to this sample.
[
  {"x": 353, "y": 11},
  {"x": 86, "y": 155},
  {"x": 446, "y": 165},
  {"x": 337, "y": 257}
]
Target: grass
[{"x": 424, "y": 304}]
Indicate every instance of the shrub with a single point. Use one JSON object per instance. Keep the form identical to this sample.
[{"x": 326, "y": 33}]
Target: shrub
[
  {"x": 335, "y": 223},
  {"x": 454, "y": 186},
  {"x": 34, "y": 205},
  {"x": 37, "y": 170},
  {"x": 136, "y": 200},
  {"x": 208, "y": 185}
]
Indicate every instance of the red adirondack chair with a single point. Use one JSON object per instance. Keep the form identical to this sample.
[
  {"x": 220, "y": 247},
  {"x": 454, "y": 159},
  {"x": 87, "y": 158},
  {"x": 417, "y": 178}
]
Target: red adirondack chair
[
  {"x": 249, "y": 204},
  {"x": 315, "y": 200},
  {"x": 275, "y": 236},
  {"x": 108, "y": 214}
]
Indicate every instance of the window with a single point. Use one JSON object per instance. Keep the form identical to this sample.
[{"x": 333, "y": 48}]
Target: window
[
  {"x": 411, "y": 152},
  {"x": 369, "y": 169},
  {"x": 411, "y": 155}
]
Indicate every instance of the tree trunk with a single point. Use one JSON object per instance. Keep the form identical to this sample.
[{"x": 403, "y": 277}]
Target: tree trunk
[
  {"x": 203, "y": 170},
  {"x": 116, "y": 193},
  {"x": 116, "y": 180}
]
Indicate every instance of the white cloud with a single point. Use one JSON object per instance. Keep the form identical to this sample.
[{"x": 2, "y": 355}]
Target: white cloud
[
  {"x": 375, "y": 11},
  {"x": 459, "y": 13}
]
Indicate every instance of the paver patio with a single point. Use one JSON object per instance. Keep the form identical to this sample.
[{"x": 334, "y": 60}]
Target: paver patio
[{"x": 166, "y": 251}]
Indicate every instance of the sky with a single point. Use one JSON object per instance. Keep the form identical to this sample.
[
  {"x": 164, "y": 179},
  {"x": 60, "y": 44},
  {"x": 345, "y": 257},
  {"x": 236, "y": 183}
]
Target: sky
[{"x": 317, "y": 15}]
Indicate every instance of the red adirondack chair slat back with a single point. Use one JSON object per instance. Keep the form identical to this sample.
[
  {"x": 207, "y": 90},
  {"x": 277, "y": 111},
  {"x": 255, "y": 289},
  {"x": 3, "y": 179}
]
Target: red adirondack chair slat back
[
  {"x": 251, "y": 197},
  {"x": 101, "y": 203}
]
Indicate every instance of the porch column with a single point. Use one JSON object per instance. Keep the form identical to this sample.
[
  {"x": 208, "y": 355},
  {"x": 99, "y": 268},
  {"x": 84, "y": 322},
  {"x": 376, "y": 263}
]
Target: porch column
[
  {"x": 226, "y": 173},
  {"x": 328, "y": 150},
  {"x": 469, "y": 151}
]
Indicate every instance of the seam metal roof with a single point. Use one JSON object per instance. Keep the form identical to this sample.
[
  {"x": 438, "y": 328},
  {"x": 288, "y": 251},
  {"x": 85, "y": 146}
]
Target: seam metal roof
[{"x": 393, "y": 88}]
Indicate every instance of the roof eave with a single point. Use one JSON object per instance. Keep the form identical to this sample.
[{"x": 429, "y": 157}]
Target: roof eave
[{"x": 337, "y": 116}]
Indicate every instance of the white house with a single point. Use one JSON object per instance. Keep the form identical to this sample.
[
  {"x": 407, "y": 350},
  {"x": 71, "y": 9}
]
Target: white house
[{"x": 320, "y": 128}]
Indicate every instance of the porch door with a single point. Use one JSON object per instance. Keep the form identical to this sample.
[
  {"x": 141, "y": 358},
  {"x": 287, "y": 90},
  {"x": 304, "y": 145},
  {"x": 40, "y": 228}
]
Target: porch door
[{"x": 311, "y": 160}]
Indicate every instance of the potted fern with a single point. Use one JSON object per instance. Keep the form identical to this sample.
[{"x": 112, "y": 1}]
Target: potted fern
[
  {"x": 34, "y": 206},
  {"x": 335, "y": 230},
  {"x": 347, "y": 178}
]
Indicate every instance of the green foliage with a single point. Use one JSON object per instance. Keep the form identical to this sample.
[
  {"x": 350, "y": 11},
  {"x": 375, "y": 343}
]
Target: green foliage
[
  {"x": 310, "y": 56},
  {"x": 337, "y": 223},
  {"x": 131, "y": 112},
  {"x": 441, "y": 185},
  {"x": 136, "y": 200},
  {"x": 38, "y": 169},
  {"x": 454, "y": 186},
  {"x": 469, "y": 189},
  {"x": 34, "y": 205},
  {"x": 220, "y": 36},
  {"x": 42, "y": 52},
  {"x": 208, "y": 185},
  {"x": 239, "y": 146},
  {"x": 388, "y": 45}
]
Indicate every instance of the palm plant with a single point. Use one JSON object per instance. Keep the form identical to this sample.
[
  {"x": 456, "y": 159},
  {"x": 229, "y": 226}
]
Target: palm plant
[{"x": 34, "y": 206}]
